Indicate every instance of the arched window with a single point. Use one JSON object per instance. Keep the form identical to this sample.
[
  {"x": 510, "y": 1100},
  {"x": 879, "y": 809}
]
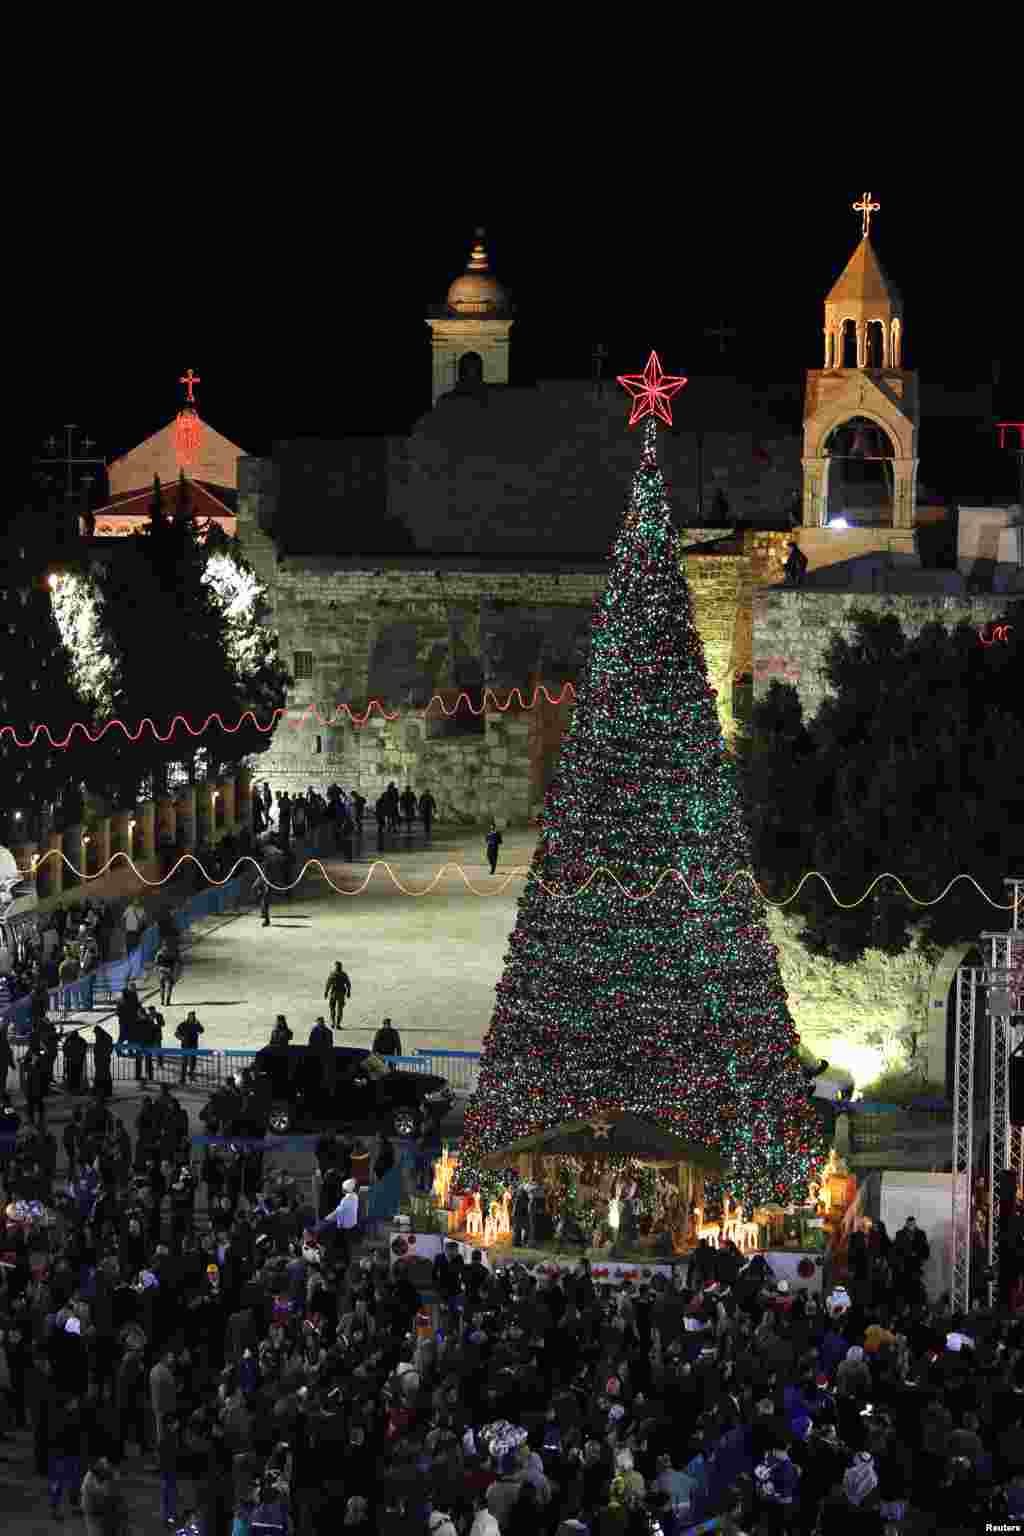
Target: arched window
[
  {"x": 875, "y": 344},
  {"x": 471, "y": 370},
  {"x": 848, "y": 344},
  {"x": 895, "y": 345}
]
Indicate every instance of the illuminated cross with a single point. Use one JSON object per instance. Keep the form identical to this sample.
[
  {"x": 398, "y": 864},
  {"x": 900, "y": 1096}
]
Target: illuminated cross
[
  {"x": 188, "y": 379},
  {"x": 866, "y": 208}
]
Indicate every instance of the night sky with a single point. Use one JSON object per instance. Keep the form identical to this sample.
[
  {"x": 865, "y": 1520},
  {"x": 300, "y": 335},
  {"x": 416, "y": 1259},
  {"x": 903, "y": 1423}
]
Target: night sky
[{"x": 304, "y": 314}]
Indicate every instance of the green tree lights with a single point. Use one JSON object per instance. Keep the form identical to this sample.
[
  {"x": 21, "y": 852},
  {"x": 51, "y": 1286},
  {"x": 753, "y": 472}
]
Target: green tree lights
[{"x": 670, "y": 1008}]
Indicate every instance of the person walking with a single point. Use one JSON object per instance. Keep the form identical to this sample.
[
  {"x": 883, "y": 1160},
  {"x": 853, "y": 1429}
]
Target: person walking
[
  {"x": 428, "y": 810},
  {"x": 381, "y": 813},
  {"x": 167, "y": 970},
  {"x": 261, "y": 890},
  {"x": 337, "y": 992},
  {"x": 134, "y": 923},
  {"x": 493, "y": 844},
  {"x": 391, "y": 801},
  {"x": 167, "y": 1455},
  {"x": 163, "y": 1394},
  {"x": 67, "y": 975},
  {"x": 188, "y": 1032}
]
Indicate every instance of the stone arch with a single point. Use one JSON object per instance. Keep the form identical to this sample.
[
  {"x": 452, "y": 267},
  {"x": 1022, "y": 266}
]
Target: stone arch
[
  {"x": 469, "y": 370},
  {"x": 848, "y": 348},
  {"x": 875, "y": 345},
  {"x": 861, "y": 481}
]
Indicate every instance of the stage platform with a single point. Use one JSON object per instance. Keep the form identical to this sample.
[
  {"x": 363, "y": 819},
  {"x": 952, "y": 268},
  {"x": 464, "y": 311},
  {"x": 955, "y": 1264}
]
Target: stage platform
[{"x": 802, "y": 1269}]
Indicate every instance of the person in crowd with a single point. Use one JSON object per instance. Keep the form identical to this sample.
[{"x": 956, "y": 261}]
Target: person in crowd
[
  {"x": 387, "y": 1041},
  {"x": 428, "y": 810},
  {"x": 75, "y": 1051},
  {"x": 908, "y": 1256},
  {"x": 102, "y": 1051},
  {"x": 337, "y": 992},
  {"x": 281, "y": 1034},
  {"x": 187, "y": 1033},
  {"x": 407, "y": 805},
  {"x": 134, "y": 924},
  {"x": 381, "y": 813},
  {"x": 168, "y": 965},
  {"x": 493, "y": 843},
  {"x": 795, "y": 568}
]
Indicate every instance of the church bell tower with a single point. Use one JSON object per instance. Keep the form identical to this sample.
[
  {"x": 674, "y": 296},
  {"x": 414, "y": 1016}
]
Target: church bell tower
[
  {"x": 470, "y": 331},
  {"x": 862, "y": 408}
]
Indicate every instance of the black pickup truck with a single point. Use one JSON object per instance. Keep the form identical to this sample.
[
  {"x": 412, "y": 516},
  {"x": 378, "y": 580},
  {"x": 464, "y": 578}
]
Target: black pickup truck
[{"x": 297, "y": 1087}]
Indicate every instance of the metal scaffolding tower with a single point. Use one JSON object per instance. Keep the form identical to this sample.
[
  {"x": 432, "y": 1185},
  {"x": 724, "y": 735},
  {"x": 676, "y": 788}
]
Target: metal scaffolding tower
[{"x": 1005, "y": 1147}]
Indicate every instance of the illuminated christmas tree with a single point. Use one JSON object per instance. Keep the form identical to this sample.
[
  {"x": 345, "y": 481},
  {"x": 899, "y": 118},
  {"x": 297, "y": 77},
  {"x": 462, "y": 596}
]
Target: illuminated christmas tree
[{"x": 671, "y": 1008}]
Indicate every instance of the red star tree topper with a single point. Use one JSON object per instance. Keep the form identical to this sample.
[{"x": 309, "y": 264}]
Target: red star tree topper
[{"x": 650, "y": 391}]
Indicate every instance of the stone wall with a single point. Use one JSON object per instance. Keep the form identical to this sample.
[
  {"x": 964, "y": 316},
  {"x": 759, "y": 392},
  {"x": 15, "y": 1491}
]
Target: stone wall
[
  {"x": 792, "y": 629},
  {"x": 402, "y": 631}
]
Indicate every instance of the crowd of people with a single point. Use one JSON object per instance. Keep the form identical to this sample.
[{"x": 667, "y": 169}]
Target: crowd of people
[
  {"x": 276, "y": 1375},
  {"x": 292, "y": 816}
]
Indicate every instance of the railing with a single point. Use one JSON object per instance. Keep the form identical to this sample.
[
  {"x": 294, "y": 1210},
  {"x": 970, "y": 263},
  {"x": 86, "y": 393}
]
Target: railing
[
  {"x": 461, "y": 1068},
  {"x": 103, "y": 985}
]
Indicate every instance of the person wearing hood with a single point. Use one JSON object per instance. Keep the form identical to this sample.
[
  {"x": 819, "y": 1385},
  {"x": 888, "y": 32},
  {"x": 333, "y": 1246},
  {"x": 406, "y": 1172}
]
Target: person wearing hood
[{"x": 103, "y": 1049}]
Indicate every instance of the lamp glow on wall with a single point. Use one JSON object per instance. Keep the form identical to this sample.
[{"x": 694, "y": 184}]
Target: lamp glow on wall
[{"x": 838, "y": 522}]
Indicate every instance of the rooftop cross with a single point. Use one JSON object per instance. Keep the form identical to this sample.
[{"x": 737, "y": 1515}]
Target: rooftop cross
[
  {"x": 188, "y": 379},
  {"x": 866, "y": 208}
]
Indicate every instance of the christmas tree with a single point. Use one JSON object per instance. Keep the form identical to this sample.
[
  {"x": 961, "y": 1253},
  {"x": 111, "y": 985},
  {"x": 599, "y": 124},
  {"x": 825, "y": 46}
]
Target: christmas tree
[
  {"x": 670, "y": 1007},
  {"x": 35, "y": 670}
]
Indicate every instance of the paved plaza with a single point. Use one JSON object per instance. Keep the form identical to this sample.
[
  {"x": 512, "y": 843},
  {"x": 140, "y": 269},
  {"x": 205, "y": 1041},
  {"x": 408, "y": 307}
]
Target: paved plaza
[{"x": 429, "y": 962}]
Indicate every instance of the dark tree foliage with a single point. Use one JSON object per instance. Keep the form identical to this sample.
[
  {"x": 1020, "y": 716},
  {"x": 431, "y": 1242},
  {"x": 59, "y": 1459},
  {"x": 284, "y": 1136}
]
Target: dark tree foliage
[
  {"x": 168, "y": 636},
  {"x": 35, "y": 685},
  {"x": 913, "y": 765}
]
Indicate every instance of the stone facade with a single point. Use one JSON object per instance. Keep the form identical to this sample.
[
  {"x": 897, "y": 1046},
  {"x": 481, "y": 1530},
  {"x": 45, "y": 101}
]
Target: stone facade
[{"x": 792, "y": 629}]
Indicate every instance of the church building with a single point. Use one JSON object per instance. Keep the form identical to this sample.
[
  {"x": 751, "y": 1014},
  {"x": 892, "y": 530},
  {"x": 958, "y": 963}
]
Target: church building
[{"x": 466, "y": 556}]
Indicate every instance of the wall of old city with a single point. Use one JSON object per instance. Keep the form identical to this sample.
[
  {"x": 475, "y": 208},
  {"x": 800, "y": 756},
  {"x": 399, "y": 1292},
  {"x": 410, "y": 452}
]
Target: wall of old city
[
  {"x": 403, "y": 629},
  {"x": 792, "y": 628}
]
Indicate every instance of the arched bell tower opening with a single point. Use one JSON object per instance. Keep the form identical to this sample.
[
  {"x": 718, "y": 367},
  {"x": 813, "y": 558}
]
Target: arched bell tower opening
[
  {"x": 861, "y": 412},
  {"x": 861, "y": 483},
  {"x": 471, "y": 329}
]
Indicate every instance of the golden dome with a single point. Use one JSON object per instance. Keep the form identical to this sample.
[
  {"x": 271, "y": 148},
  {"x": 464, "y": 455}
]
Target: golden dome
[{"x": 477, "y": 291}]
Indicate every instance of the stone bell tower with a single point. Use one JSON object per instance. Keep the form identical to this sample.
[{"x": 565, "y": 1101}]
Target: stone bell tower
[
  {"x": 470, "y": 330},
  {"x": 863, "y": 396}
]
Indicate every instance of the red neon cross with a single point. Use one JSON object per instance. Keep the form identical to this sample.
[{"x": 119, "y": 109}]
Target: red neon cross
[
  {"x": 1010, "y": 426},
  {"x": 188, "y": 379}
]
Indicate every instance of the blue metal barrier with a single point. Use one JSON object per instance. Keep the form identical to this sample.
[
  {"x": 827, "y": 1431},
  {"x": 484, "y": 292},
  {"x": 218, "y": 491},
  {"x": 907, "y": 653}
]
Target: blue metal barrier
[
  {"x": 411, "y": 1063},
  {"x": 461, "y": 1068}
]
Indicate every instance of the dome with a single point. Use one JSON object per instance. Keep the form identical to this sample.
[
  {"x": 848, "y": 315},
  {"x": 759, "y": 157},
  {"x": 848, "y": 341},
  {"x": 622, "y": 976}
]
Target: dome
[{"x": 477, "y": 291}]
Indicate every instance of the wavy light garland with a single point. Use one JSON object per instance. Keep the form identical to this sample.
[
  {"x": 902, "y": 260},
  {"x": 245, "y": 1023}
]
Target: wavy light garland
[
  {"x": 358, "y": 720},
  {"x": 515, "y": 873}
]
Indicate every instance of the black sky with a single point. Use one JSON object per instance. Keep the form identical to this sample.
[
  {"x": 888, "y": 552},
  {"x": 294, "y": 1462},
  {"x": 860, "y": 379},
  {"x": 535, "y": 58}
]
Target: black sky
[{"x": 299, "y": 296}]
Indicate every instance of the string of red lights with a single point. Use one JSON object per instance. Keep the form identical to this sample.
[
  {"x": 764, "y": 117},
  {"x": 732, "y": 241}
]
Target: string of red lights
[{"x": 358, "y": 719}]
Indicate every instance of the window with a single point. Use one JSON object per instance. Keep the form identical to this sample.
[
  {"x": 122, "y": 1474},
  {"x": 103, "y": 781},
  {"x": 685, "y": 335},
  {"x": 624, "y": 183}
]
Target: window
[
  {"x": 303, "y": 668},
  {"x": 318, "y": 744}
]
